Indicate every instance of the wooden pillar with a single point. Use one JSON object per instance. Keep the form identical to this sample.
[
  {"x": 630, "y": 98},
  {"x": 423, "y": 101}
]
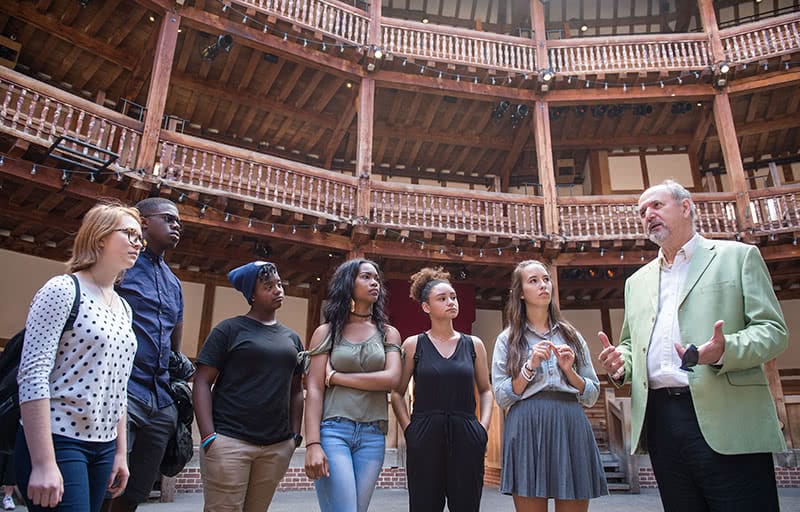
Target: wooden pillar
[
  {"x": 723, "y": 118},
  {"x": 539, "y": 34},
  {"x": 314, "y": 313},
  {"x": 709, "y": 20},
  {"x": 605, "y": 321},
  {"x": 209, "y": 294},
  {"x": 544, "y": 160},
  {"x": 366, "y": 107},
  {"x": 553, "y": 269},
  {"x": 159, "y": 86},
  {"x": 776, "y": 387}
]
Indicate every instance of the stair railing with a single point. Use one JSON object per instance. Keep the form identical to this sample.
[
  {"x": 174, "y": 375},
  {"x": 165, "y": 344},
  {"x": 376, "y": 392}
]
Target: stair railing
[{"x": 618, "y": 421}]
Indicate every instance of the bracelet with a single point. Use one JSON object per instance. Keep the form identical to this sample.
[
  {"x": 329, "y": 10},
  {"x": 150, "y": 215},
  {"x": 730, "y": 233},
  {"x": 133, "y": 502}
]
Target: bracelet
[
  {"x": 313, "y": 443},
  {"x": 528, "y": 375},
  {"x": 328, "y": 380},
  {"x": 527, "y": 367},
  {"x": 208, "y": 440}
]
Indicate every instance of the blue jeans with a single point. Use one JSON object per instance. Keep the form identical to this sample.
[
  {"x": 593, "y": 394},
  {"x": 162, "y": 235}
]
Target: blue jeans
[
  {"x": 355, "y": 458},
  {"x": 85, "y": 467}
]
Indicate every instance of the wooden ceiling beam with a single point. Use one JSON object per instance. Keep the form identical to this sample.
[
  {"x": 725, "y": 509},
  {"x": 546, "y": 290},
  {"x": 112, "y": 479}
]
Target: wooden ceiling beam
[
  {"x": 28, "y": 13},
  {"x": 250, "y": 100},
  {"x": 764, "y": 82},
  {"x": 784, "y": 122}
]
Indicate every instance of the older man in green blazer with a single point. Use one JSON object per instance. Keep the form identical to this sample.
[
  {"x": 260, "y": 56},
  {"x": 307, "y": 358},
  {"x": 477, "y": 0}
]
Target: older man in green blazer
[{"x": 710, "y": 429}]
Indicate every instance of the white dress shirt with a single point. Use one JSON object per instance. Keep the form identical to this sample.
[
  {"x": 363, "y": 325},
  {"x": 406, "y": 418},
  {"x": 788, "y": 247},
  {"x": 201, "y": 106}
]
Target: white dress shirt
[{"x": 663, "y": 363}]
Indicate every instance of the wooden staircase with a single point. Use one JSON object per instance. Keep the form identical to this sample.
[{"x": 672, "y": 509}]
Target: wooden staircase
[{"x": 615, "y": 474}]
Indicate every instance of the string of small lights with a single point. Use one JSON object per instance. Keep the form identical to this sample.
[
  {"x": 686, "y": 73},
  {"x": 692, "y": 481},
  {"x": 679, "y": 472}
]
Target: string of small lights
[
  {"x": 546, "y": 74},
  {"x": 205, "y": 209}
]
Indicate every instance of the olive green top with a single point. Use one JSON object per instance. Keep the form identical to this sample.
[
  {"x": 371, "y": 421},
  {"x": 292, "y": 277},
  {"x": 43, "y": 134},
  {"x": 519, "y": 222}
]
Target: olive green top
[{"x": 356, "y": 404}]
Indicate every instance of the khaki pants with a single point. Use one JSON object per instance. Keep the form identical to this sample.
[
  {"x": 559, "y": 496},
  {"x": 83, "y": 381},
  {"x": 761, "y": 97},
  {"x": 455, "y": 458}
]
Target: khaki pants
[{"x": 242, "y": 477}]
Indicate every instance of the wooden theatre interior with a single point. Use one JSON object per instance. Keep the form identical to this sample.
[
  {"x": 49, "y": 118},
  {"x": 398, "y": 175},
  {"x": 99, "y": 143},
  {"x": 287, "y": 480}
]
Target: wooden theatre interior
[{"x": 470, "y": 134}]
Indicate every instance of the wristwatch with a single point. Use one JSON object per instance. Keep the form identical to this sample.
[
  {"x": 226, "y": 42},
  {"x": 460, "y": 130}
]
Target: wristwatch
[{"x": 298, "y": 439}]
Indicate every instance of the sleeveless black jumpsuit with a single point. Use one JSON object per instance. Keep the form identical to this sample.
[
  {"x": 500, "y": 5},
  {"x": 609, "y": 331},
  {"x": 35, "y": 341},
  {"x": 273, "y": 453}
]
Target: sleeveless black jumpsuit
[{"x": 445, "y": 442}]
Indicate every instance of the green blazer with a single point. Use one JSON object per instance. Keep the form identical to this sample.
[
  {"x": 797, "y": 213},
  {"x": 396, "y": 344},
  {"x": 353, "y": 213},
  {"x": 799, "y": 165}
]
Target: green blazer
[{"x": 726, "y": 281}]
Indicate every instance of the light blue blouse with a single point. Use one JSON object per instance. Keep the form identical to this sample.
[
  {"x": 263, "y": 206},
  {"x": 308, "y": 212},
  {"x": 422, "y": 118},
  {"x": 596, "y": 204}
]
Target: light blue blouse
[{"x": 549, "y": 377}]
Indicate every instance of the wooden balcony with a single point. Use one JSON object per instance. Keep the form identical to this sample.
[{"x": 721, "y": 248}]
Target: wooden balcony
[
  {"x": 742, "y": 44},
  {"x": 334, "y": 19},
  {"x": 762, "y": 40},
  {"x": 423, "y": 208},
  {"x": 37, "y": 113}
]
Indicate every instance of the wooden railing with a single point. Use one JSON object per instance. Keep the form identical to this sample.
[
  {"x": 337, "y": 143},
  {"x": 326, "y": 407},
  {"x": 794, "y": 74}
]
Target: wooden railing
[
  {"x": 333, "y": 18},
  {"x": 670, "y": 52},
  {"x": 198, "y": 164},
  {"x": 457, "y": 46},
  {"x": 775, "y": 210},
  {"x": 585, "y": 55},
  {"x": 39, "y": 113},
  {"x": 762, "y": 39},
  {"x": 585, "y": 218},
  {"x": 456, "y": 211},
  {"x": 618, "y": 421}
]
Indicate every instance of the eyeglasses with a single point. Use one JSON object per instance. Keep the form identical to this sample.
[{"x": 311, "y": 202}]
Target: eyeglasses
[
  {"x": 134, "y": 237},
  {"x": 168, "y": 218}
]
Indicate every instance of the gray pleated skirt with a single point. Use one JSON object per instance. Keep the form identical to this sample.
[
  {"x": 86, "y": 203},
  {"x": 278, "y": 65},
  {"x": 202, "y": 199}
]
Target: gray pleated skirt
[{"x": 549, "y": 450}]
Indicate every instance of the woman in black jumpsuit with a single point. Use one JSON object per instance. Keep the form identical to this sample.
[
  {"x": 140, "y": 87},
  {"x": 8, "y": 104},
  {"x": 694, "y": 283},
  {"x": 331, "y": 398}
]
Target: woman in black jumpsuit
[{"x": 445, "y": 441}]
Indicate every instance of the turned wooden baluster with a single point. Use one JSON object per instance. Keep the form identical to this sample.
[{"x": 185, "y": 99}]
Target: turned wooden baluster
[{"x": 43, "y": 119}]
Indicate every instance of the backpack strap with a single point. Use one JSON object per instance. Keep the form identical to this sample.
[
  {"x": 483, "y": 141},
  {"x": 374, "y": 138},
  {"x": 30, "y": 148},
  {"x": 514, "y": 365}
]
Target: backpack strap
[{"x": 76, "y": 305}]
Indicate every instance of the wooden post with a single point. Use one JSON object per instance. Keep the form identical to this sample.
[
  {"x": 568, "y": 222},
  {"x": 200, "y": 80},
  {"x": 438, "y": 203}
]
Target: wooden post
[
  {"x": 366, "y": 107},
  {"x": 776, "y": 387},
  {"x": 209, "y": 293},
  {"x": 539, "y": 34},
  {"x": 723, "y": 118},
  {"x": 709, "y": 20},
  {"x": 313, "y": 313},
  {"x": 544, "y": 160},
  {"x": 159, "y": 86},
  {"x": 553, "y": 269}
]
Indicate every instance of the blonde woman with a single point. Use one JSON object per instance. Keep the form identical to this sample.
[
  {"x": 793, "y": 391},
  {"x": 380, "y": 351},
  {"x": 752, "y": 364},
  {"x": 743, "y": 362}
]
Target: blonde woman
[{"x": 71, "y": 447}]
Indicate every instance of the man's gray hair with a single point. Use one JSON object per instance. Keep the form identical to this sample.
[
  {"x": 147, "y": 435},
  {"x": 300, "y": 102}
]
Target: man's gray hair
[{"x": 679, "y": 193}]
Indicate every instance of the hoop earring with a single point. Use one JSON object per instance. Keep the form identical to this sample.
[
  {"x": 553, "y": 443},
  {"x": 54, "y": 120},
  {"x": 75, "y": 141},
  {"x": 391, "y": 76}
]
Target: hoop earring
[{"x": 352, "y": 305}]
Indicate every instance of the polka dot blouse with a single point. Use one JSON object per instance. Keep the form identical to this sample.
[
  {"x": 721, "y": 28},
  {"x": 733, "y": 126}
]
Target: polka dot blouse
[{"x": 83, "y": 373}]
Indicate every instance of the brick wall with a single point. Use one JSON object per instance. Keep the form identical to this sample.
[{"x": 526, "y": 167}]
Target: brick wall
[
  {"x": 784, "y": 476},
  {"x": 294, "y": 480}
]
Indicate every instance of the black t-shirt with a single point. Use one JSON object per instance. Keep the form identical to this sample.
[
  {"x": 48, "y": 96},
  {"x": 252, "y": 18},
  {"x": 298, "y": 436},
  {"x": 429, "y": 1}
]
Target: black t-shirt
[{"x": 256, "y": 363}]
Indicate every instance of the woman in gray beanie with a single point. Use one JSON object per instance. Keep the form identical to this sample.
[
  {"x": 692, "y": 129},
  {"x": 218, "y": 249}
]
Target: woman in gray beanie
[{"x": 250, "y": 423}]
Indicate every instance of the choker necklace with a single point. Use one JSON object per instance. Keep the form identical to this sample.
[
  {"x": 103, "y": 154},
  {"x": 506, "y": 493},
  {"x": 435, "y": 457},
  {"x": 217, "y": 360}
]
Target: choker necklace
[{"x": 360, "y": 315}]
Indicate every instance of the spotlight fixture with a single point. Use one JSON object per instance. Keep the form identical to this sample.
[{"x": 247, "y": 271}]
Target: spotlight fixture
[
  {"x": 500, "y": 109},
  {"x": 378, "y": 54},
  {"x": 84, "y": 3},
  {"x": 599, "y": 110},
  {"x": 223, "y": 42},
  {"x": 681, "y": 108},
  {"x": 642, "y": 110},
  {"x": 584, "y": 27},
  {"x": 546, "y": 74},
  {"x": 556, "y": 113},
  {"x": 615, "y": 111},
  {"x": 580, "y": 110},
  {"x": 519, "y": 114},
  {"x": 425, "y": 20}
]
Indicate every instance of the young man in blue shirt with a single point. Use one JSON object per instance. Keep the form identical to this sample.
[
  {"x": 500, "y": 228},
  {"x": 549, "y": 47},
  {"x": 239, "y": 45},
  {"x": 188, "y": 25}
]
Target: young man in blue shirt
[{"x": 154, "y": 294}]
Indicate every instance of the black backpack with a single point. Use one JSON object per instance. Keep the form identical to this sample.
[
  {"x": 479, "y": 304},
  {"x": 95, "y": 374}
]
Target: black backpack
[{"x": 9, "y": 365}]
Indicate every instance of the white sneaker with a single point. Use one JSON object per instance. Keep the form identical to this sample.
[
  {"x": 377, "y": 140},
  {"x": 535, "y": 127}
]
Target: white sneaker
[{"x": 8, "y": 503}]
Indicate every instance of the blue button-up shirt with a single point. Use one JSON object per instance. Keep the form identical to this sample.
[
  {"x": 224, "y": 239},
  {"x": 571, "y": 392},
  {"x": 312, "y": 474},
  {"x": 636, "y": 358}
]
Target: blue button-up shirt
[{"x": 155, "y": 295}]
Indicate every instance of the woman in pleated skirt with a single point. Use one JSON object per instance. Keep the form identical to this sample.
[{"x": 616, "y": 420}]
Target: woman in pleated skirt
[{"x": 543, "y": 375}]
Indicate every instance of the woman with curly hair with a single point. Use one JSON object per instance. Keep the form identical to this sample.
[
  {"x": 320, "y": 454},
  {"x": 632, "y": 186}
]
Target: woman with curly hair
[
  {"x": 445, "y": 441},
  {"x": 354, "y": 362},
  {"x": 542, "y": 374}
]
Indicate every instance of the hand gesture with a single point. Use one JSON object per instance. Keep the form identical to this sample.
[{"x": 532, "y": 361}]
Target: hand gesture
[
  {"x": 119, "y": 475},
  {"x": 46, "y": 486},
  {"x": 611, "y": 358},
  {"x": 565, "y": 356},
  {"x": 711, "y": 351},
  {"x": 316, "y": 462},
  {"x": 541, "y": 352}
]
